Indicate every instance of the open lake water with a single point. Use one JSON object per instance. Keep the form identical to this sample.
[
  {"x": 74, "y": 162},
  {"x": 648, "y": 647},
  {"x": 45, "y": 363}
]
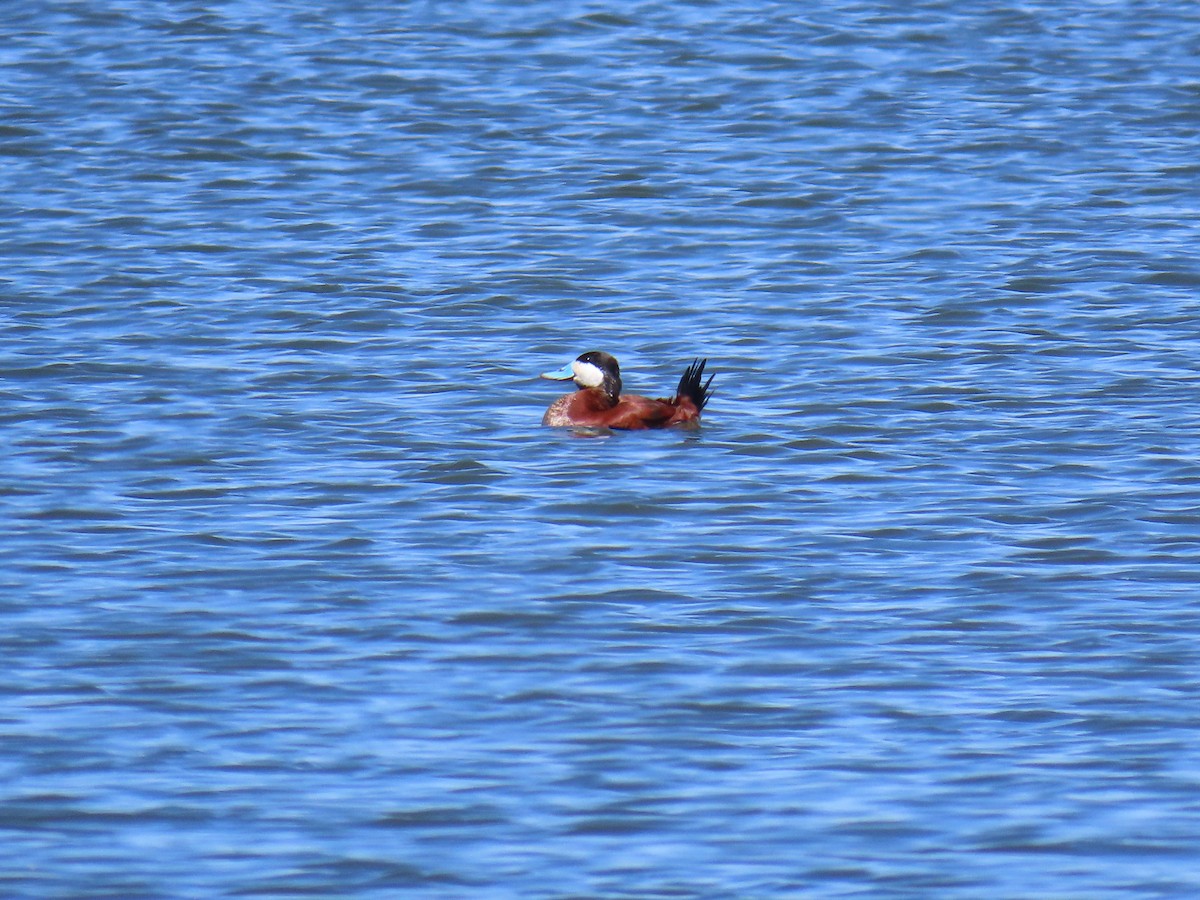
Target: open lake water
[{"x": 299, "y": 598}]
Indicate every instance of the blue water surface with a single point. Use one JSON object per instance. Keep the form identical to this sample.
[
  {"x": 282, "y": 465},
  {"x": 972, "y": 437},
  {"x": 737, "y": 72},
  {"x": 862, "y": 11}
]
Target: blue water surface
[{"x": 299, "y": 598}]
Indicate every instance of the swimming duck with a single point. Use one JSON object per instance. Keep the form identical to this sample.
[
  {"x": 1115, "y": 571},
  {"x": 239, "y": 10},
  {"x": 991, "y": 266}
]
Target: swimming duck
[{"x": 599, "y": 402}]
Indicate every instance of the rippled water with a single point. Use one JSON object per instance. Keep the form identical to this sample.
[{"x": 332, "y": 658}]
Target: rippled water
[{"x": 299, "y": 598}]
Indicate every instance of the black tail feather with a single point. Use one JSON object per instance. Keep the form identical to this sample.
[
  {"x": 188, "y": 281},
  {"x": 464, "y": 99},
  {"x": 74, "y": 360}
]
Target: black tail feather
[{"x": 690, "y": 385}]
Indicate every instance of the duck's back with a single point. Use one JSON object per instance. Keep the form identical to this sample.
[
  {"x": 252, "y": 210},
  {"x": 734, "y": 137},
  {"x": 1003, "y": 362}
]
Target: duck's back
[{"x": 593, "y": 408}]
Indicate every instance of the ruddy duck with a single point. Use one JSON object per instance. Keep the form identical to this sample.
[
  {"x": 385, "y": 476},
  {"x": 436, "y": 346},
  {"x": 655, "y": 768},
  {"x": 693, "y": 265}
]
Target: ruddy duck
[{"x": 599, "y": 402}]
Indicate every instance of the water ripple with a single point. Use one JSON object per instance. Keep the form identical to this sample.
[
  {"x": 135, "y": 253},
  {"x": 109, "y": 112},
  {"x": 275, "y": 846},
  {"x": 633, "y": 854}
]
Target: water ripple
[{"x": 302, "y": 599}]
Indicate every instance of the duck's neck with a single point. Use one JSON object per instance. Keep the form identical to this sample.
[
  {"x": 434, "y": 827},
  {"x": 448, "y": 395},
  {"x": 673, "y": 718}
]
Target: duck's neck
[
  {"x": 612, "y": 387},
  {"x": 600, "y": 397}
]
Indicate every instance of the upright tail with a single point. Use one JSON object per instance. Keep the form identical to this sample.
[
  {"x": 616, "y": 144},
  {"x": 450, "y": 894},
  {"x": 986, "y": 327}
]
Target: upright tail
[{"x": 690, "y": 385}]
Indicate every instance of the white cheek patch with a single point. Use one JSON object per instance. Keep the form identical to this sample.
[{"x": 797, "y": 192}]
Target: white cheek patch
[{"x": 587, "y": 375}]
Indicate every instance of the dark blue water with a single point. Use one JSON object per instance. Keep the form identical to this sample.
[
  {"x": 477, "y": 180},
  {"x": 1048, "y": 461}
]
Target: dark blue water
[{"x": 298, "y": 597}]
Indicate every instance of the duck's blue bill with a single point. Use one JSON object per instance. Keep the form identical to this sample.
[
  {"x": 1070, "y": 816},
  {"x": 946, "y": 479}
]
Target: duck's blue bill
[{"x": 564, "y": 374}]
